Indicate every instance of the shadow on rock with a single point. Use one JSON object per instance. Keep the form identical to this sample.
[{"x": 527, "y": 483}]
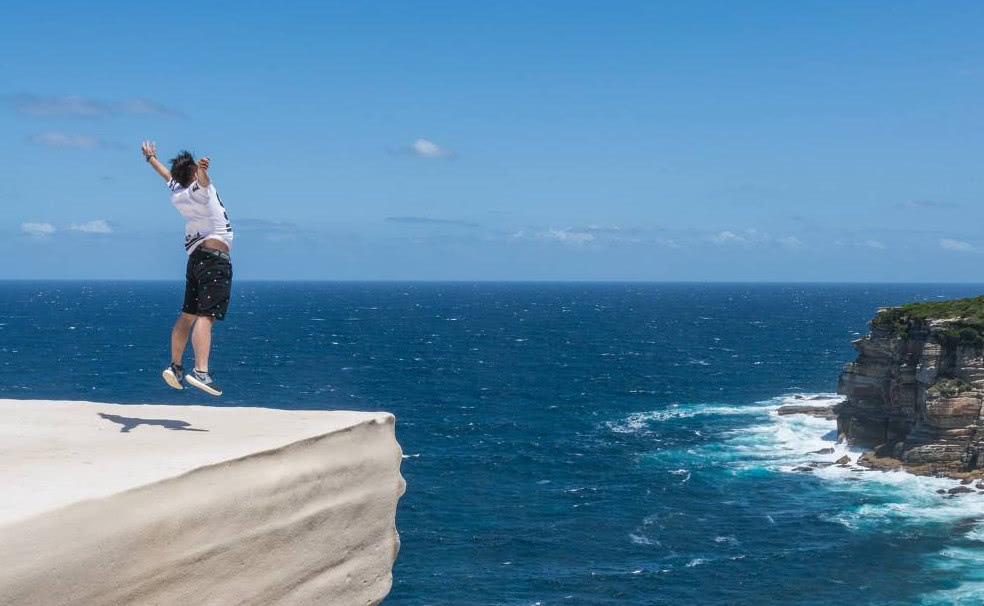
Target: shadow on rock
[{"x": 129, "y": 423}]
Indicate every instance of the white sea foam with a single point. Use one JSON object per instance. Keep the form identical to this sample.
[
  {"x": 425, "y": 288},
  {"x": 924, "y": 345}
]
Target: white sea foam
[
  {"x": 642, "y": 540},
  {"x": 976, "y": 533},
  {"x": 640, "y": 421},
  {"x": 967, "y": 594},
  {"x": 779, "y": 444},
  {"x": 786, "y": 442},
  {"x": 968, "y": 563}
]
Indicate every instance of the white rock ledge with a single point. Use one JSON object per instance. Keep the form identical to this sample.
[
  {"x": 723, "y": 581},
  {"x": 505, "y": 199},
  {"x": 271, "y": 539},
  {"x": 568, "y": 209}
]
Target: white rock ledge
[{"x": 108, "y": 504}]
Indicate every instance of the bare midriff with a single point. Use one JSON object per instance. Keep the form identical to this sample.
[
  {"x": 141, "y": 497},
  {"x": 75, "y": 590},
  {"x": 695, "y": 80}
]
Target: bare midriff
[{"x": 215, "y": 245}]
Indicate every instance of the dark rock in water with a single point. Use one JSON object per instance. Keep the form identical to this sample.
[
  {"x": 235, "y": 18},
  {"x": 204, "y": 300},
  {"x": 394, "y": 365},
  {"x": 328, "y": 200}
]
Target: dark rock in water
[
  {"x": 803, "y": 468},
  {"x": 820, "y": 464},
  {"x": 843, "y": 460},
  {"x": 966, "y": 481},
  {"x": 845, "y": 466},
  {"x": 979, "y": 486},
  {"x": 872, "y": 461},
  {"x": 941, "y": 491},
  {"x": 959, "y": 490},
  {"x": 822, "y": 412},
  {"x": 823, "y": 451},
  {"x": 797, "y": 397}
]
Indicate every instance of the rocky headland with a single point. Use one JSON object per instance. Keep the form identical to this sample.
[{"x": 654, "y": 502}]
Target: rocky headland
[{"x": 914, "y": 394}]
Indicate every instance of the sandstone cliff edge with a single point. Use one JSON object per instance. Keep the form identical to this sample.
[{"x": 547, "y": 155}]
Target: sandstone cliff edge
[{"x": 108, "y": 504}]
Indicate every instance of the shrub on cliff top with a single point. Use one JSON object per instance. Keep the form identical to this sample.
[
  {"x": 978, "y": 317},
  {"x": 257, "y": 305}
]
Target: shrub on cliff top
[
  {"x": 969, "y": 311},
  {"x": 891, "y": 317}
]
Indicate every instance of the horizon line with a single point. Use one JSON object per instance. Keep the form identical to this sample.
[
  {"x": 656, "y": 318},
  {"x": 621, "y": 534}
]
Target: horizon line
[{"x": 492, "y": 281}]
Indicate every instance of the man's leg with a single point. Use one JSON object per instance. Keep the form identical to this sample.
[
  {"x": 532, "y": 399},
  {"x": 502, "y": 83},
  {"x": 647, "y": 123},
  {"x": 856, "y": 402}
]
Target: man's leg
[
  {"x": 201, "y": 341},
  {"x": 213, "y": 277},
  {"x": 179, "y": 336}
]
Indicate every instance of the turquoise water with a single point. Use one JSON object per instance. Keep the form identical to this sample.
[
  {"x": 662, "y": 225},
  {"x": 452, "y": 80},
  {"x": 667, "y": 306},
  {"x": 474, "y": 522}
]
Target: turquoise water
[{"x": 565, "y": 443}]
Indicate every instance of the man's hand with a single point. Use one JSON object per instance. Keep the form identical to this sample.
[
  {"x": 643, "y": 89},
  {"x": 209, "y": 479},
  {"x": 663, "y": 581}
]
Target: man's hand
[
  {"x": 149, "y": 148},
  {"x": 203, "y": 178}
]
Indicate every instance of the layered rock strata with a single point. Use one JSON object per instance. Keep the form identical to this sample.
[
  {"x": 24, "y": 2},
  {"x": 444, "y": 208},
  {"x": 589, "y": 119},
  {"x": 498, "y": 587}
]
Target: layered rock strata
[{"x": 914, "y": 394}]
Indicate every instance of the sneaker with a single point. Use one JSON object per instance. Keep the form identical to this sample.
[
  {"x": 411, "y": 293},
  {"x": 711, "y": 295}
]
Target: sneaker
[
  {"x": 173, "y": 375},
  {"x": 202, "y": 381}
]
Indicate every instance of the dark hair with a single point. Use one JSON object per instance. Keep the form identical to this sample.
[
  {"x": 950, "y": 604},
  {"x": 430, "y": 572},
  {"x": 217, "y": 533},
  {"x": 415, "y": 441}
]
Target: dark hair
[{"x": 183, "y": 168}]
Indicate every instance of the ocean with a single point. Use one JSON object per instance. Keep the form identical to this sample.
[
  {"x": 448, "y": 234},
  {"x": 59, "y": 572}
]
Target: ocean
[{"x": 564, "y": 443}]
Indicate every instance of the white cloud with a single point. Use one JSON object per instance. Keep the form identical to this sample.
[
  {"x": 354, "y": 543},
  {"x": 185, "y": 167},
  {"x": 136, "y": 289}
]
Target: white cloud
[
  {"x": 72, "y": 105},
  {"x": 428, "y": 149},
  {"x": 947, "y": 244},
  {"x": 56, "y": 106},
  {"x": 567, "y": 236},
  {"x": 875, "y": 244},
  {"x": 604, "y": 228},
  {"x": 63, "y": 140},
  {"x": 727, "y": 237},
  {"x": 38, "y": 230},
  {"x": 791, "y": 242},
  {"x": 99, "y": 226}
]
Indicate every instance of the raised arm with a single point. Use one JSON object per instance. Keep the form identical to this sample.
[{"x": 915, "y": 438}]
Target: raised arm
[
  {"x": 202, "y": 173},
  {"x": 149, "y": 149}
]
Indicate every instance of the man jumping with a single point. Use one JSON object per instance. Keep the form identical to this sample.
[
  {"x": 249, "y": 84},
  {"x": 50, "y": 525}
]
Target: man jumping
[{"x": 208, "y": 279}]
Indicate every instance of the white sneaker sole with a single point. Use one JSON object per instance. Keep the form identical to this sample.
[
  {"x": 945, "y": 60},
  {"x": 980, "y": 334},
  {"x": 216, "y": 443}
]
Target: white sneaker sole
[
  {"x": 202, "y": 386},
  {"x": 171, "y": 379}
]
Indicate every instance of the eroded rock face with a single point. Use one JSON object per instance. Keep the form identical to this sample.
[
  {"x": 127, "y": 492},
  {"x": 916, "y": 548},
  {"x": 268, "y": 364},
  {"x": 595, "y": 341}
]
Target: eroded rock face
[{"x": 914, "y": 395}]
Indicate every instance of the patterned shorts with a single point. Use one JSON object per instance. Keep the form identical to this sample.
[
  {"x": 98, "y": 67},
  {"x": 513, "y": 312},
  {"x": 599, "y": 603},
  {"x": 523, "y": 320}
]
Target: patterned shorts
[{"x": 208, "y": 283}]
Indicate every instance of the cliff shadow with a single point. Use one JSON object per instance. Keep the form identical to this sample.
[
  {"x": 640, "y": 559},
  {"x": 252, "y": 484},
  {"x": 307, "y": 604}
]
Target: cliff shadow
[{"x": 128, "y": 423}]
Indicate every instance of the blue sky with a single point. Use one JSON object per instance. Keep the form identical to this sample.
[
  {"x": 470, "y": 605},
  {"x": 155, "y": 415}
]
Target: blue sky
[{"x": 772, "y": 141}]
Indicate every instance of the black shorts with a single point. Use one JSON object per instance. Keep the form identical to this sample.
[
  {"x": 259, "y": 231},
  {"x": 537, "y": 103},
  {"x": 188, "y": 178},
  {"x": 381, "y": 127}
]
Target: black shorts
[{"x": 208, "y": 283}]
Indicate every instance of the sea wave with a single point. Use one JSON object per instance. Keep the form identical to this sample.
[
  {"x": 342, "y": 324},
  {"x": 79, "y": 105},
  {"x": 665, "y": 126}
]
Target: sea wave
[
  {"x": 967, "y": 594},
  {"x": 754, "y": 438},
  {"x": 641, "y": 421}
]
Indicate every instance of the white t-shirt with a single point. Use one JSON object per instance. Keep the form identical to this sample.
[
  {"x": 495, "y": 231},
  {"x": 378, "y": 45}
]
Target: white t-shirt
[{"x": 205, "y": 216}]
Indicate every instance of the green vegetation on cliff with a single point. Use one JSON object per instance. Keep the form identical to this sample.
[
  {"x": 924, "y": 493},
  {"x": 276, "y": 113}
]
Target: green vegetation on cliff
[
  {"x": 968, "y": 328},
  {"x": 949, "y": 387}
]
